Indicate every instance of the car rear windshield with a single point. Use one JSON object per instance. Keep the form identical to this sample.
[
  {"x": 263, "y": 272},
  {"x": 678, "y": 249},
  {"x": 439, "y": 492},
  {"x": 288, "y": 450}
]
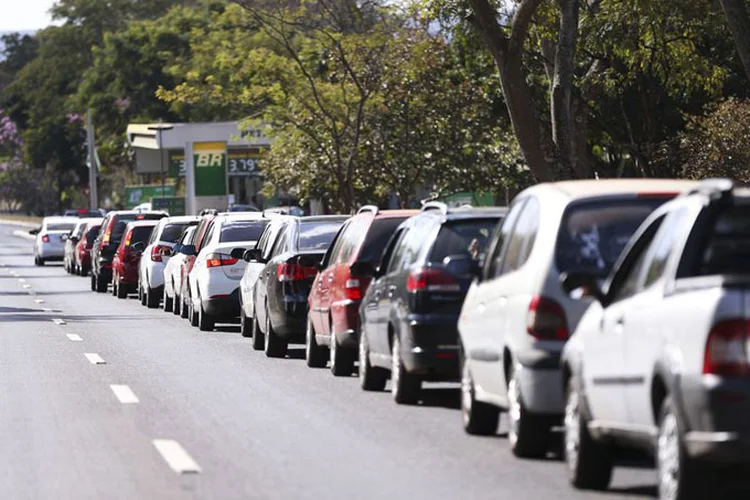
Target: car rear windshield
[
  {"x": 594, "y": 233},
  {"x": 92, "y": 234},
  {"x": 377, "y": 238},
  {"x": 140, "y": 234},
  {"x": 465, "y": 237},
  {"x": 173, "y": 231},
  {"x": 60, "y": 226},
  {"x": 242, "y": 231},
  {"x": 727, "y": 249},
  {"x": 317, "y": 235}
]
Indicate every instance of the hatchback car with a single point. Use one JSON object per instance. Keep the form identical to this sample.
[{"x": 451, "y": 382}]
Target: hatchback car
[
  {"x": 661, "y": 358},
  {"x": 71, "y": 240},
  {"x": 190, "y": 252},
  {"x": 109, "y": 238},
  {"x": 214, "y": 281},
  {"x": 338, "y": 289},
  {"x": 128, "y": 256},
  {"x": 517, "y": 318},
  {"x": 172, "y": 277},
  {"x": 285, "y": 281},
  {"x": 409, "y": 313},
  {"x": 82, "y": 254},
  {"x": 49, "y": 244},
  {"x": 158, "y": 251}
]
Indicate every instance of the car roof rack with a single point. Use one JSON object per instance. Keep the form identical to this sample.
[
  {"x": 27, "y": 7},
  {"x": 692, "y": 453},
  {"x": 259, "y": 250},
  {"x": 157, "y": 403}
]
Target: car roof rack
[
  {"x": 368, "y": 208},
  {"x": 716, "y": 189},
  {"x": 435, "y": 205}
]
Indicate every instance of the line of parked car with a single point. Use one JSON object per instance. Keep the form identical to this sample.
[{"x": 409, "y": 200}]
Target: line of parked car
[{"x": 618, "y": 309}]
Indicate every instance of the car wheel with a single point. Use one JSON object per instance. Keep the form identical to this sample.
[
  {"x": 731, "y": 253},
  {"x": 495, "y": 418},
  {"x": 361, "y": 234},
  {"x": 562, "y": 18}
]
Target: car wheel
[
  {"x": 101, "y": 285},
  {"x": 528, "y": 433},
  {"x": 679, "y": 477},
  {"x": 93, "y": 283},
  {"x": 205, "y": 321},
  {"x": 152, "y": 298},
  {"x": 479, "y": 418},
  {"x": 315, "y": 355},
  {"x": 371, "y": 378},
  {"x": 589, "y": 463},
  {"x": 177, "y": 309},
  {"x": 258, "y": 338},
  {"x": 168, "y": 301},
  {"x": 142, "y": 295},
  {"x": 275, "y": 347},
  {"x": 405, "y": 386},
  {"x": 246, "y": 325},
  {"x": 114, "y": 286},
  {"x": 193, "y": 313},
  {"x": 122, "y": 292},
  {"x": 36, "y": 261},
  {"x": 342, "y": 360},
  {"x": 41, "y": 261}
]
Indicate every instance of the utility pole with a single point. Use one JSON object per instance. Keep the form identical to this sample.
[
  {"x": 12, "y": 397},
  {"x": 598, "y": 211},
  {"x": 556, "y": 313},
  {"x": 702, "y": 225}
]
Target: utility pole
[
  {"x": 159, "y": 129},
  {"x": 93, "y": 194}
]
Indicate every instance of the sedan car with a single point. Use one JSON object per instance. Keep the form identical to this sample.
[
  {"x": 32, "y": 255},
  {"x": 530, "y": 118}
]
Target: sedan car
[
  {"x": 172, "y": 278},
  {"x": 83, "y": 248},
  {"x": 158, "y": 251},
  {"x": 71, "y": 241},
  {"x": 128, "y": 256},
  {"x": 49, "y": 244}
]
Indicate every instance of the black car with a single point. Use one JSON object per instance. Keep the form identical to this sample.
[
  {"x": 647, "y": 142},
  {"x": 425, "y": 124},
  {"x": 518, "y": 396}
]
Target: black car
[
  {"x": 410, "y": 312},
  {"x": 284, "y": 283},
  {"x": 105, "y": 245}
]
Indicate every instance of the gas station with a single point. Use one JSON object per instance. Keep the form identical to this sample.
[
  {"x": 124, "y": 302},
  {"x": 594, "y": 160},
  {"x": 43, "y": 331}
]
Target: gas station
[{"x": 216, "y": 163}]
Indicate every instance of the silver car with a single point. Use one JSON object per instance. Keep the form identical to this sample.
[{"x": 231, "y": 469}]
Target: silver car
[{"x": 49, "y": 244}]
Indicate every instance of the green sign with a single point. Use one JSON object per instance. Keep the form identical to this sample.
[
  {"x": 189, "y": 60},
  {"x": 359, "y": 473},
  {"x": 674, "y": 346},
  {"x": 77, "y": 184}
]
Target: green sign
[
  {"x": 476, "y": 199},
  {"x": 244, "y": 162},
  {"x": 135, "y": 195},
  {"x": 177, "y": 163},
  {"x": 210, "y": 168},
  {"x": 172, "y": 204}
]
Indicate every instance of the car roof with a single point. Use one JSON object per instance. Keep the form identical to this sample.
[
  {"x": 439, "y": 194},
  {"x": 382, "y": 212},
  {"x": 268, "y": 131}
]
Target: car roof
[
  {"x": 136, "y": 212},
  {"x": 241, "y": 217},
  {"x": 321, "y": 218},
  {"x": 180, "y": 218},
  {"x": 60, "y": 218},
  {"x": 142, "y": 223},
  {"x": 603, "y": 187}
]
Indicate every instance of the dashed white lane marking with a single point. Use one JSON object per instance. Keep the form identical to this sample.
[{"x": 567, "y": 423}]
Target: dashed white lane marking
[
  {"x": 39, "y": 301},
  {"x": 94, "y": 358},
  {"x": 74, "y": 337},
  {"x": 50, "y": 310},
  {"x": 59, "y": 321},
  {"x": 21, "y": 280},
  {"x": 124, "y": 394},
  {"x": 176, "y": 456},
  {"x": 26, "y": 285}
]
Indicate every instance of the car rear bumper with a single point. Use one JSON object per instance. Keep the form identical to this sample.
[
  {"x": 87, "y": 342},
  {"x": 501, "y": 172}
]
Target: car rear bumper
[
  {"x": 716, "y": 411},
  {"x": 225, "y": 306},
  {"x": 290, "y": 319},
  {"x": 431, "y": 348},
  {"x": 345, "y": 317}
]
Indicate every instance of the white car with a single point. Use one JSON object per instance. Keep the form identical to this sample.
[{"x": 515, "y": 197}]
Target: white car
[
  {"x": 215, "y": 278},
  {"x": 516, "y": 317},
  {"x": 252, "y": 271},
  {"x": 662, "y": 356},
  {"x": 172, "y": 278},
  {"x": 156, "y": 255},
  {"x": 49, "y": 244}
]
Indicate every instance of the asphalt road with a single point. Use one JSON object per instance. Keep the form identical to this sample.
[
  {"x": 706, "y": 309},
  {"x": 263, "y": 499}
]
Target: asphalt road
[{"x": 247, "y": 426}]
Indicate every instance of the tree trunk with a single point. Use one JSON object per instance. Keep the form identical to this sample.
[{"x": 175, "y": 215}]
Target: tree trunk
[
  {"x": 739, "y": 24},
  {"x": 563, "y": 130}
]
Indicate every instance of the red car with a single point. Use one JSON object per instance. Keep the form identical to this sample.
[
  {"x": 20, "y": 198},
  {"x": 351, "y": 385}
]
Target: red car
[
  {"x": 82, "y": 252},
  {"x": 338, "y": 289},
  {"x": 128, "y": 256}
]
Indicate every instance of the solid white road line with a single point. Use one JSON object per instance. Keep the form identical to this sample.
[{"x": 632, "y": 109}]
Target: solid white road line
[
  {"x": 176, "y": 456},
  {"x": 94, "y": 358},
  {"x": 124, "y": 394},
  {"x": 74, "y": 337},
  {"x": 59, "y": 321}
]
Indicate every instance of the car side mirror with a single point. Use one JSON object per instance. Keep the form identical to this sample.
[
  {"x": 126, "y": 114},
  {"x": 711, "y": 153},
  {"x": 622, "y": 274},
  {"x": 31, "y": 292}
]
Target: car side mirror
[
  {"x": 35, "y": 231},
  {"x": 461, "y": 265},
  {"x": 238, "y": 253},
  {"x": 252, "y": 255},
  {"x": 189, "y": 250},
  {"x": 582, "y": 285},
  {"x": 364, "y": 269},
  {"x": 176, "y": 249}
]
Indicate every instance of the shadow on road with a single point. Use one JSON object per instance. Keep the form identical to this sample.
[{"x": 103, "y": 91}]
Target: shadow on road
[
  {"x": 296, "y": 353},
  {"x": 643, "y": 490},
  {"x": 442, "y": 398}
]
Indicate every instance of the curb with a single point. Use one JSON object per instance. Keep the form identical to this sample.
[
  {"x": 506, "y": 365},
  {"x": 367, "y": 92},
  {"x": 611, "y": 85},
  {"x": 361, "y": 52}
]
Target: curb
[
  {"x": 6, "y": 222},
  {"x": 24, "y": 235}
]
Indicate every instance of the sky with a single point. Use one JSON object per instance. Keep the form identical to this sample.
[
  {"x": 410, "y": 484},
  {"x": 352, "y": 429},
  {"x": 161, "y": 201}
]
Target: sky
[{"x": 24, "y": 15}]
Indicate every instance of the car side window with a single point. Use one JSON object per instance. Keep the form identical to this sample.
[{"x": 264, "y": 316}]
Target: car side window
[
  {"x": 494, "y": 262},
  {"x": 398, "y": 250},
  {"x": 664, "y": 242},
  {"x": 282, "y": 241},
  {"x": 627, "y": 279},
  {"x": 522, "y": 239},
  {"x": 412, "y": 245}
]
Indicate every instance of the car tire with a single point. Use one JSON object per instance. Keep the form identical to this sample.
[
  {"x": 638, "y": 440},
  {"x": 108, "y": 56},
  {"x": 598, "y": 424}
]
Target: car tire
[
  {"x": 168, "y": 302},
  {"x": 258, "y": 339},
  {"x": 678, "y": 476},
  {"x": 405, "y": 386},
  {"x": 206, "y": 322},
  {"x": 41, "y": 262},
  {"x": 122, "y": 292},
  {"x": 371, "y": 378},
  {"x": 315, "y": 354},
  {"x": 193, "y": 314},
  {"x": 114, "y": 286},
  {"x": 529, "y": 434},
  {"x": 588, "y": 462},
  {"x": 184, "y": 310},
  {"x": 143, "y": 297},
  {"x": 93, "y": 283},
  {"x": 246, "y": 325},
  {"x": 36, "y": 261},
  {"x": 177, "y": 309},
  {"x": 101, "y": 285},
  {"x": 479, "y": 418},
  {"x": 342, "y": 360},
  {"x": 152, "y": 298},
  {"x": 275, "y": 347}
]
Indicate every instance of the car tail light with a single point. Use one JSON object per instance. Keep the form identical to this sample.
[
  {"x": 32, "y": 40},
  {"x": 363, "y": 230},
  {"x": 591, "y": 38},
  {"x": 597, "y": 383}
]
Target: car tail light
[
  {"x": 291, "y": 271},
  {"x": 157, "y": 252},
  {"x": 45, "y": 239},
  {"x": 546, "y": 320},
  {"x": 107, "y": 236},
  {"x": 432, "y": 280},
  {"x": 727, "y": 349},
  {"x": 220, "y": 259},
  {"x": 353, "y": 289}
]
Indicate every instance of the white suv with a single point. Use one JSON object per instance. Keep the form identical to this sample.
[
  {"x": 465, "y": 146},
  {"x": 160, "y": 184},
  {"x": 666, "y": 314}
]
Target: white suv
[
  {"x": 215, "y": 278},
  {"x": 516, "y": 317},
  {"x": 157, "y": 253},
  {"x": 661, "y": 358}
]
